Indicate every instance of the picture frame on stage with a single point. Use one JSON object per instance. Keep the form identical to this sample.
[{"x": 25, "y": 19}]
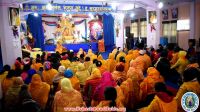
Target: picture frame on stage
[
  {"x": 152, "y": 18},
  {"x": 165, "y": 14},
  {"x": 174, "y": 13},
  {"x": 14, "y": 17}
]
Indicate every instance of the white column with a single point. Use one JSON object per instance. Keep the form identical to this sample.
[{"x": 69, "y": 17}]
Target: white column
[
  {"x": 10, "y": 46},
  {"x": 153, "y": 37},
  {"x": 192, "y": 20}
]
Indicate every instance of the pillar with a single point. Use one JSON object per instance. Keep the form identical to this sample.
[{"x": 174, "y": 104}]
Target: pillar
[
  {"x": 192, "y": 20},
  {"x": 10, "y": 46},
  {"x": 153, "y": 37}
]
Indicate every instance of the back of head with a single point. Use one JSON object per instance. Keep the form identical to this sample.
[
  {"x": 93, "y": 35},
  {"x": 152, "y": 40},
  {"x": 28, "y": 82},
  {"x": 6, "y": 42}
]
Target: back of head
[
  {"x": 66, "y": 85},
  {"x": 47, "y": 65},
  {"x": 61, "y": 69},
  {"x": 98, "y": 64},
  {"x": 190, "y": 74},
  {"x": 87, "y": 59},
  {"x": 182, "y": 54},
  {"x": 24, "y": 93},
  {"x": 122, "y": 59},
  {"x": 36, "y": 79},
  {"x": 95, "y": 61},
  {"x": 68, "y": 73},
  {"x": 164, "y": 53},
  {"x": 11, "y": 74},
  {"x": 161, "y": 87},
  {"x": 120, "y": 67},
  {"x": 110, "y": 93},
  {"x": 6, "y": 67}
]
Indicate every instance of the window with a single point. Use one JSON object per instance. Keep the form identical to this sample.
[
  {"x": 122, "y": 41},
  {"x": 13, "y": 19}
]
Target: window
[
  {"x": 169, "y": 31},
  {"x": 134, "y": 28},
  {"x": 143, "y": 28}
]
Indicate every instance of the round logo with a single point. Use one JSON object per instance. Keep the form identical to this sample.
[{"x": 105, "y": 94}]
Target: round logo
[{"x": 190, "y": 102}]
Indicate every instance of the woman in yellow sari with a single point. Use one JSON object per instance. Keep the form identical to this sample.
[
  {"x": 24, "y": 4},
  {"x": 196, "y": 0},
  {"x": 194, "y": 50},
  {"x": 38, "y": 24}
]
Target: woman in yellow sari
[
  {"x": 100, "y": 58},
  {"x": 162, "y": 102},
  {"x": 190, "y": 84},
  {"x": 131, "y": 90},
  {"x": 82, "y": 74},
  {"x": 111, "y": 63},
  {"x": 121, "y": 54},
  {"x": 128, "y": 58},
  {"x": 119, "y": 75},
  {"x": 65, "y": 62},
  {"x": 182, "y": 62},
  {"x": 39, "y": 90},
  {"x": 74, "y": 80},
  {"x": 36, "y": 64},
  {"x": 49, "y": 73},
  {"x": 67, "y": 97},
  {"x": 147, "y": 85},
  {"x": 135, "y": 72},
  {"x": 8, "y": 81}
]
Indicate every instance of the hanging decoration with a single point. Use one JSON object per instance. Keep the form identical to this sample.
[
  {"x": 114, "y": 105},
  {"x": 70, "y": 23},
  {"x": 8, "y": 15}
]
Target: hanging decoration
[
  {"x": 153, "y": 28},
  {"x": 15, "y": 31}
]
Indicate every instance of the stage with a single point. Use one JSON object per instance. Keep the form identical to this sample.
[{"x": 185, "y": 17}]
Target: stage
[{"x": 74, "y": 47}]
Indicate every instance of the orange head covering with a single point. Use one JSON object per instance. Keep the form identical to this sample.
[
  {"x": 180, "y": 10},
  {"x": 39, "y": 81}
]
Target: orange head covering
[
  {"x": 111, "y": 56},
  {"x": 95, "y": 74},
  {"x": 36, "y": 80},
  {"x": 130, "y": 52},
  {"x": 153, "y": 73},
  {"x": 182, "y": 54},
  {"x": 100, "y": 57}
]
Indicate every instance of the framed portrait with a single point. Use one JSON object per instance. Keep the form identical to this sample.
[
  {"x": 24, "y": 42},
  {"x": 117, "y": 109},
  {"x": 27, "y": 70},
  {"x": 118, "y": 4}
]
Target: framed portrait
[
  {"x": 165, "y": 14},
  {"x": 152, "y": 17},
  {"x": 14, "y": 16},
  {"x": 174, "y": 13}
]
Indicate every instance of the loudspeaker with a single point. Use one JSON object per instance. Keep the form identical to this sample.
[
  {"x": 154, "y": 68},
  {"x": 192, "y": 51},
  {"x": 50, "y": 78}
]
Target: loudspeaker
[{"x": 192, "y": 42}]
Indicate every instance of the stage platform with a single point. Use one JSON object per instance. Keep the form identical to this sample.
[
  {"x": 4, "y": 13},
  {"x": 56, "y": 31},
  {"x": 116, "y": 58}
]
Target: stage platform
[{"x": 74, "y": 47}]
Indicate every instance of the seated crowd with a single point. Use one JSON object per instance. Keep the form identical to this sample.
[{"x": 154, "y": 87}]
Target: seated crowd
[{"x": 144, "y": 80}]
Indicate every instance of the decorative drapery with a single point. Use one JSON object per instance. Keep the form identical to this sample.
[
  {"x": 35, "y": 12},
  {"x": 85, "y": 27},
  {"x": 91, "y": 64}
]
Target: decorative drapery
[
  {"x": 36, "y": 29},
  {"x": 108, "y": 30}
]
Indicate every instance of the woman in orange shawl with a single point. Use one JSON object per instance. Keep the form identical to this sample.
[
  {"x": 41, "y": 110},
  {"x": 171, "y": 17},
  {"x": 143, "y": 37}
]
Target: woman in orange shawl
[
  {"x": 67, "y": 97},
  {"x": 8, "y": 81},
  {"x": 119, "y": 75},
  {"x": 135, "y": 54},
  {"x": 39, "y": 90},
  {"x": 49, "y": 73},
  {"x": 147, "y": 86},
  {"x": 36, "y": 64},
  {"x": 121, "y": 54},
  {"x": 111, "y": 63},
  {"x": 162, "y": 102},
  {"x": 128, "y": 58},
  {"x": 131, "y": 90},
  {"x": 190, "y": 84},
  {"x": 135, "y": 72}
]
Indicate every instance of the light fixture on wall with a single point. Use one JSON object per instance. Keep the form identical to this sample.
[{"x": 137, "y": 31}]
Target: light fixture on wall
[
  {"x": 160, "y": 5},
  {"x": 49, "y": 6},
  {"x": 35, "y": 14}
]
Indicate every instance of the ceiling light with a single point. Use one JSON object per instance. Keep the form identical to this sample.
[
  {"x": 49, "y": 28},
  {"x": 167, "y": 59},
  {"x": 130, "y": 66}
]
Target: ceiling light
[
  {"x": 63, "y": 14},
  {"x": 160, "y": 5},
  {"x": 132, "y": 15},
  {"x": 35, "y": 14},
  {"x": 49, "y": 6}
]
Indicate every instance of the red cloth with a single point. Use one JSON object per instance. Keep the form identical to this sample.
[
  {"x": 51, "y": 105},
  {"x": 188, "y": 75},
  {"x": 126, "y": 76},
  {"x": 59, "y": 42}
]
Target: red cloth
[{"x": 89, "y": 88}]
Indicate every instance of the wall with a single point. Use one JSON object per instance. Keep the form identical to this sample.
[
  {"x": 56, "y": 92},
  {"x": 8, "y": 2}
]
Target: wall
[
  {"x": 10, "y": 46},
  {"x": 197, "y": 24}
]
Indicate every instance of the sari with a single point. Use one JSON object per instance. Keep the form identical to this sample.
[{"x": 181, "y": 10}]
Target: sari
[
  {"x": 67, "y": 97},
  {"x": 39, "y": 90},
  {"x": 111, "y": 63},
  {"x": 48, "y": 75}
]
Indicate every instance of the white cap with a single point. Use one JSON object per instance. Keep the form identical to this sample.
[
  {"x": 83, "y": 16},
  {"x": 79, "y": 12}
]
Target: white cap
[
  {"x": 142, "y": 52},
  {"x": 61, "y": 69}
]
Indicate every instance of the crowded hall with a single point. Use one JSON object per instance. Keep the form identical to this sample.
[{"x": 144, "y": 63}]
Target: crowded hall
[{"x": 99, "y": 55}]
